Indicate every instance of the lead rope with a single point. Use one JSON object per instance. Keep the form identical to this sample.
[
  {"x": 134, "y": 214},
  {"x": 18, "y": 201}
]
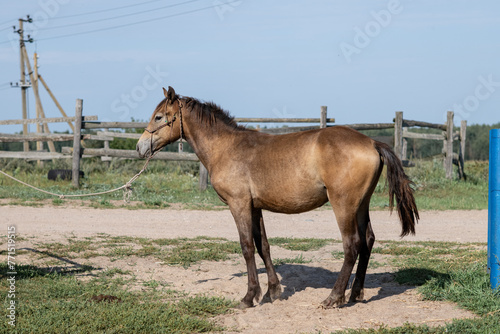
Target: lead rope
[{"x": 127, "y": 187}]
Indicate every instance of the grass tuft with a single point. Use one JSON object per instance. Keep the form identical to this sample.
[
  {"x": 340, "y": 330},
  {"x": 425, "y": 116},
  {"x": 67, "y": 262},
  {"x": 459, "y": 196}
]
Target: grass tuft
[
  {"x": 299, "y": 244},
  {"x": 299, "y": 259},
  {"x": 469, "y": 288}
]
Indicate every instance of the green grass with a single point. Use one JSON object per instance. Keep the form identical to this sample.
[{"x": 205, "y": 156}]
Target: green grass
[
  {"x": 58, "y": 300},
  {"x": 299, "y": 259},
  {"x": 60, "y": 303},
  {"x": 339, "y": 255},
  {"x": 192, "y": 251},
  {"x": 162, "y": 184},
  {"x": 444, "y": 271},
  {"x": 167, "y": 183},
  {"x": 470, "y": 288},
  {"x": 434, "y": 192},
  {"x": 54, "y": 299},
  {"x": 180, "y": 251},
  {"x": 486, "y": 325},
  {"x": 299, "y": 244},
  {"x": 421, "y": 260}
]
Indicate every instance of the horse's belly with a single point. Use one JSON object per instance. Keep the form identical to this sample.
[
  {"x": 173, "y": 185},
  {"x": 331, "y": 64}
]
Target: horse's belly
[{"x": 295, "y": 200}]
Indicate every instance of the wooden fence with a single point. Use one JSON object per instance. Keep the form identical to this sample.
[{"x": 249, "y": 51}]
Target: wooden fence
[
  {"x": 102, "y": 133},
  {"x": 448, "y": 136}
]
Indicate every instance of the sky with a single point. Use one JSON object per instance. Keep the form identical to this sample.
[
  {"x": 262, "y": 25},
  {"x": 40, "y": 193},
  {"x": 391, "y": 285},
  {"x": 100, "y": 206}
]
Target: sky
[{"x": 364, "y": 60}]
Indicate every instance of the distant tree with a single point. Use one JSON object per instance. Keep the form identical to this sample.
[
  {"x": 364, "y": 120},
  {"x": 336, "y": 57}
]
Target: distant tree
[{"x": 477, "y": 143}]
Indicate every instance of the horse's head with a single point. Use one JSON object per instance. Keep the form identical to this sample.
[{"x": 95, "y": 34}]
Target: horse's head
[{"x": 164, "y": 126}]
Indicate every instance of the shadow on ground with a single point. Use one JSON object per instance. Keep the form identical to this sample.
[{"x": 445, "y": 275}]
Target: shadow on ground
[
  {"x": 23, "y": 271},
  {"x": 298, "y": 277}
]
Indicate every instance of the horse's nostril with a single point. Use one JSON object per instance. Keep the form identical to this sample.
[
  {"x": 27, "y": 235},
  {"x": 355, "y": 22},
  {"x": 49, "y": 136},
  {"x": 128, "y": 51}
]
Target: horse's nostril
[{"x": 143, "y": 147}]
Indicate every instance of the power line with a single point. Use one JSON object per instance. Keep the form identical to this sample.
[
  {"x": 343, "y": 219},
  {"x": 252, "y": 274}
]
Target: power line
[
  {"x": 133, "y": 23},
  {"x": 20, "y": 30},
  {"x": 10, "y": 22},
  {"x": 103, "y": 10},
  {"x": 9, "y": 27},
  {"x": 117, "y": 17},
  {"x": 7, "y": 22}
]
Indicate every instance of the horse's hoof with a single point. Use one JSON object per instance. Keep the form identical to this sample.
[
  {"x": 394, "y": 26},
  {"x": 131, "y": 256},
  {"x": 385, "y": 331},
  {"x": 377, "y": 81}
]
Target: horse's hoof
[
  {"x": 331, "y": 302},
  {"x": 274, "y": 293},
  {"x": 244, "y": 305},
  {"x": 269, "y": 298},
  {"x": 356, "y": 297}
]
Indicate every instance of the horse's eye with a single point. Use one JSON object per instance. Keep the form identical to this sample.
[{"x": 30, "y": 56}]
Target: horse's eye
[{"x": 158, "y": 118}]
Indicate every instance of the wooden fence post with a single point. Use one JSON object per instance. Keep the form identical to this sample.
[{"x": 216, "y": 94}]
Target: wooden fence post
[
  {"x": 461, "y": 154},
  {"x": 203, "y": 177},
  {"x": 322, "y": 122},
  {"x": 404, "y": 151},
  {"x": 463, "y": 135},
  {"x": 398, "y": 135},
  {"x": 448, "y": 159},
  {"x": 76, "y": 143}
]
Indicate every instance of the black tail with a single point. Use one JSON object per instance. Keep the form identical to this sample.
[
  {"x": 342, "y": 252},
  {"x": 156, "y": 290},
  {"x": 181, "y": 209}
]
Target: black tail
[{"x": 399, "y": 186}]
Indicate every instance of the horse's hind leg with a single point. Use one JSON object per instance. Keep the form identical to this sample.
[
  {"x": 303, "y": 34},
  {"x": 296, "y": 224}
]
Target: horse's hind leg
[
  {"x": 367, "y": 239},
  {"x": 259, "y": 235},
  {"x": 346, "y": 218}
]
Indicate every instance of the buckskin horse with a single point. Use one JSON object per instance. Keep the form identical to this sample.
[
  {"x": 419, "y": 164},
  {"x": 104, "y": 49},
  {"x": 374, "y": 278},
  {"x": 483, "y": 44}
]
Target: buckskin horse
[{"x": 291, "y": 173}]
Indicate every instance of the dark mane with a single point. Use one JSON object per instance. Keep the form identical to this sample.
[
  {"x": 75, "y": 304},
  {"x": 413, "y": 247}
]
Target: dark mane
[{"x": 209, "y": 113}]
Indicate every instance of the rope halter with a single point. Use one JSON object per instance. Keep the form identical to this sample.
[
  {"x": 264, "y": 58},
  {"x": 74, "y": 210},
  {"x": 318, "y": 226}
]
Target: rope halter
[{"x": 169, "y": 124}]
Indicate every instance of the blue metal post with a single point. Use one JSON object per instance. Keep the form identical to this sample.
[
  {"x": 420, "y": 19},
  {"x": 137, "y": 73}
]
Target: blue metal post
[{"x": 494, "y": 210}]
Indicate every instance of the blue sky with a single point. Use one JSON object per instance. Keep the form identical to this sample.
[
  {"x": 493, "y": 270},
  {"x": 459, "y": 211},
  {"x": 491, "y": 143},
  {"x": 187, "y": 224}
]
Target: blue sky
[{"x": 363, "y": 59}]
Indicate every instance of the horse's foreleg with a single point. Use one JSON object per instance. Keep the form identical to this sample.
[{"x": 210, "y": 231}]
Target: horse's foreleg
[
  {"x": 259, "y": 235},
  {"x": 243, "y": 219}
]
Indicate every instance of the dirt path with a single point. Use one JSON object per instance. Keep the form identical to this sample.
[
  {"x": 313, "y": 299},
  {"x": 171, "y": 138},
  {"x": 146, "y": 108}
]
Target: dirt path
[
  {"x": 459, "y": 226},
  {"x": 305, "y": 285}
]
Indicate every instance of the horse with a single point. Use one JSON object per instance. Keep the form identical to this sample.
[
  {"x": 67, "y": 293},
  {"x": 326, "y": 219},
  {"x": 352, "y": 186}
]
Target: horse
[{"x": 291, "y": 173}]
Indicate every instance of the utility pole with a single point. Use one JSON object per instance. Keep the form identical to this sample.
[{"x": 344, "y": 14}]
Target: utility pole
[
  {"x": 39, "y": 107},
  {"x": 22, "y": 83},
  {"x": 39, "y": 144}
]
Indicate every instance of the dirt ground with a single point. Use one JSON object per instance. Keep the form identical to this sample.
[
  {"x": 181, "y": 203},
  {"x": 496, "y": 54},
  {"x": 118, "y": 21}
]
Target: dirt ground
[{"x": 304, "y": 285}]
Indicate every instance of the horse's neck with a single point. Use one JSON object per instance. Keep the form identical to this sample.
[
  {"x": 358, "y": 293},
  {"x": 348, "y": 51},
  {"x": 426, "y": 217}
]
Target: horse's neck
[{"x": 210, "y": 142}]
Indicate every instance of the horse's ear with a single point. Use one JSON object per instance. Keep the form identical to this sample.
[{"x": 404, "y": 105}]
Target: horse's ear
[
  {"x": 165, "y": 92},
  {"x": 170, "y": 95}
]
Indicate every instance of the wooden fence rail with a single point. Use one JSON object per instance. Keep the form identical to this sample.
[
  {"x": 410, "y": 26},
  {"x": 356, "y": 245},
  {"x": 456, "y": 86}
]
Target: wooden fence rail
[
  {"x": 107, "y": 136},
  {"x": 131, "y": 154},
  {"x": 45, "y": 120},
  {"x": 401, "y": 132}
]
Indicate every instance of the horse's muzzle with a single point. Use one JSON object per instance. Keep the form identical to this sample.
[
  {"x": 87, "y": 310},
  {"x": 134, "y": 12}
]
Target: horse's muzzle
[{"x": 144, "y": 148}]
